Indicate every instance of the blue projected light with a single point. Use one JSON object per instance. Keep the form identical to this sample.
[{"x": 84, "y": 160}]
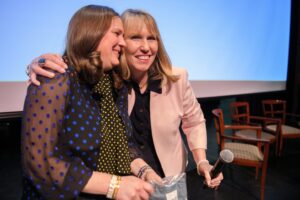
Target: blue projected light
[{"x": 214, "y": 40}]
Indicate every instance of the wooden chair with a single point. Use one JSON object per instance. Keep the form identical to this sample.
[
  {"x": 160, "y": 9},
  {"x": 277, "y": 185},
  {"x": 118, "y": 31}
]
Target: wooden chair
[
  {"x": 277, "y": 109},
  {"x": 240, "y": 115},
  {"x": 247, "y": 152}
]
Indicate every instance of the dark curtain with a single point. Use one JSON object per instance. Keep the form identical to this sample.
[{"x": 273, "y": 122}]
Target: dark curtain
[{"x": 293, "y": 79}]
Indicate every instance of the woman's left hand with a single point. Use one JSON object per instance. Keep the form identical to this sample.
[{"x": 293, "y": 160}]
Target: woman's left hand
[{"x": 204, "y": 169}]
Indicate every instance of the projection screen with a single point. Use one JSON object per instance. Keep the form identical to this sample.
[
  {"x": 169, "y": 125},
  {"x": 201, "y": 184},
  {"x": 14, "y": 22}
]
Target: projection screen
[{"x": 228, "y": 47}]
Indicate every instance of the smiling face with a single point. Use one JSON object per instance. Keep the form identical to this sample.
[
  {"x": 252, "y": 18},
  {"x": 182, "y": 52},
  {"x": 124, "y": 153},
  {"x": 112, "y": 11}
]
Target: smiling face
[
  {"x": 141, "y": 49},
  {"x": 111, "y": 45}
]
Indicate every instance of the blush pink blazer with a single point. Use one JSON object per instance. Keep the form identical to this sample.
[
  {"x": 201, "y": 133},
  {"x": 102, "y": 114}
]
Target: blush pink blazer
[{"x": 167, "y": 111}]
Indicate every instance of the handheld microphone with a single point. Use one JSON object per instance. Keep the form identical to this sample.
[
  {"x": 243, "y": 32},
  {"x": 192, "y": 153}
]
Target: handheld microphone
[{"x": 225, "y": 157}]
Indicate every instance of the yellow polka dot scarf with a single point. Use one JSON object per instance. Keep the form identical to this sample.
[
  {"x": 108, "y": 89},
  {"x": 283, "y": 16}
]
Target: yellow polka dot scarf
[{"x": 114, "y": 156}]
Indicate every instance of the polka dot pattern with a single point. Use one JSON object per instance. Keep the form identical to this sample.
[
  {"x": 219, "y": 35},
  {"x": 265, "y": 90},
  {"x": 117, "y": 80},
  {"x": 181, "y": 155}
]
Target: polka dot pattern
[
  {"x": 61, "y": 136},
  {"x": 114, "y": 155}
]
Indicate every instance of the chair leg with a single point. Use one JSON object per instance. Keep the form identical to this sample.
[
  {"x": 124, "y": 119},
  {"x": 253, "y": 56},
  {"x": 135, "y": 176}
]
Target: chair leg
[
  {"x": 263, "y": 178},
  {"x": 280, "y": 146},
  {"x": 264, "y": 172},
  {"x": 256, "y": 172},
  {"x": 277, "y": 147},
  {"x": 262, "y": 184}
]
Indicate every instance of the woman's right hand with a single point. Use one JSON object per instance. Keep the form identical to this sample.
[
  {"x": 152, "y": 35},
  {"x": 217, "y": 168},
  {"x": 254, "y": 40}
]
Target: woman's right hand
[
  {"x": 52, "y": 61},
  {"x": 134, "y": 188}
]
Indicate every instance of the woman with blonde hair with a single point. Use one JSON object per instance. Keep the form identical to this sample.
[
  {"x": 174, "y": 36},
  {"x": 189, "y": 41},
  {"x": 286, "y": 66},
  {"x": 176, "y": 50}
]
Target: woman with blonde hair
[{"x": 164, "y": 97}]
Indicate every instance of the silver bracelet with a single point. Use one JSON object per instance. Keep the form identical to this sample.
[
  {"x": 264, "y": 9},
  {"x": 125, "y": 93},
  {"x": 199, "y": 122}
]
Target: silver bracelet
[{"x": 143, "y": 170}]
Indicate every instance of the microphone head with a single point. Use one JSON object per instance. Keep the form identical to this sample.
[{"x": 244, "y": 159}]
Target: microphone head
[{"x": 226, "y": 156}]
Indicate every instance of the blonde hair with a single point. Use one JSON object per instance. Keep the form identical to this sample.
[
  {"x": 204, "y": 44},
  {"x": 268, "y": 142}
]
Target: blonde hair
[
  {"x": 86, "y": 29},
  {"x": 161, "y": 68}
]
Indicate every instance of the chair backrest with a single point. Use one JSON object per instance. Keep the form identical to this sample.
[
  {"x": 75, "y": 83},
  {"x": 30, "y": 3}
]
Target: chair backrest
[
  {"x": 220, "y": 128},
  {"x": 240, "y": 112},
  {"x": 275, "y": 109},
  {"x": 219, "y": 123}
]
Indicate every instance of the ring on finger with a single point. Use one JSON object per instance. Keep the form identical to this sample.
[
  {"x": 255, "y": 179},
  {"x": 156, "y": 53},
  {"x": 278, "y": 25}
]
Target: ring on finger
[
  {"x": 27, "y": 71},
  {"x": 41, "y": 61}
]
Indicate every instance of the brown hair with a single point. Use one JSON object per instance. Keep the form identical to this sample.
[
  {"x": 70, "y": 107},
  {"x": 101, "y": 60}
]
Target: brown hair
[
  {"x": 161, "y": 68},
  {"x": 86, "y": 29}
]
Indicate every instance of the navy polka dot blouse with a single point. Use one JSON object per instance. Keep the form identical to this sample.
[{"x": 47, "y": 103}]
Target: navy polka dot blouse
[{"x": 61, "y": 137}]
